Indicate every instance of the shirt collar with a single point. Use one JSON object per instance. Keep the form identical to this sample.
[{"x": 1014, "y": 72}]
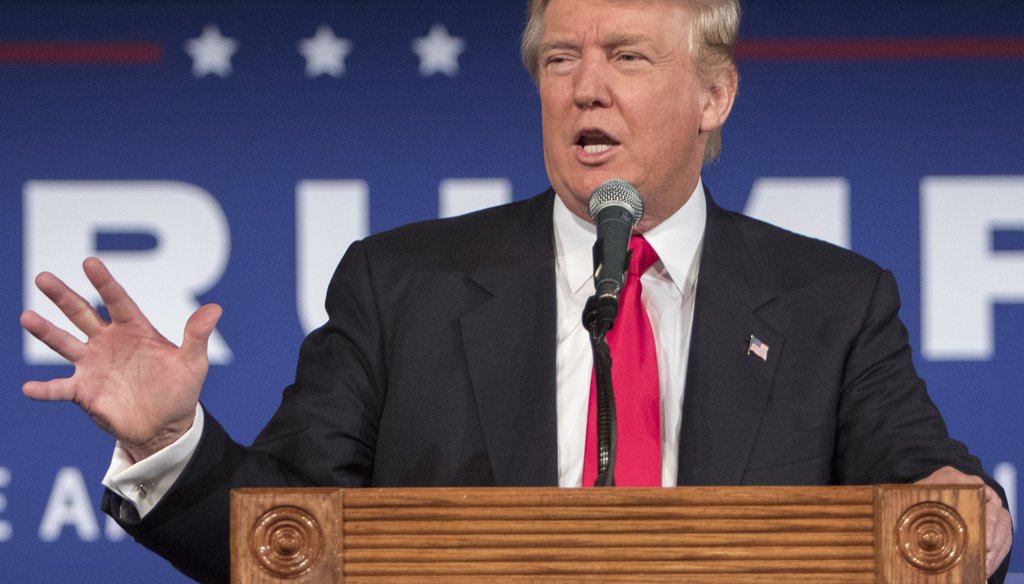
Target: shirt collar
[{"x": 676, "y": 239}]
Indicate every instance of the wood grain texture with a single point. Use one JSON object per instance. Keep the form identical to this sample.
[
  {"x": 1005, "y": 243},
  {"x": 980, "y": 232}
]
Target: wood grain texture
[
  {"x": 693, "y": 534},
  {"x": 939, "y": 534}
]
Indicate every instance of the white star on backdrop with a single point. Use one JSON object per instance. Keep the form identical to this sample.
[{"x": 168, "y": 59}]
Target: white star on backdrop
[
  {"x": 439, "y": 52},
  {"x": 211, "y": 52},
  {"x": 325, "y": 53}
]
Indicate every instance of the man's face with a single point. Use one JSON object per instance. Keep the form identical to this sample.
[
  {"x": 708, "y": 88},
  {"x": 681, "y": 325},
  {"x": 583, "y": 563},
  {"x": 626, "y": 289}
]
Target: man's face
[{"x": 621, "y": 98}]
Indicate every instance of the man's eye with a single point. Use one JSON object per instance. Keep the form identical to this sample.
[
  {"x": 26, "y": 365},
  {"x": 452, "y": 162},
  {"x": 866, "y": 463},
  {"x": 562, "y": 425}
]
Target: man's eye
[{"x": 558, "y": 63}]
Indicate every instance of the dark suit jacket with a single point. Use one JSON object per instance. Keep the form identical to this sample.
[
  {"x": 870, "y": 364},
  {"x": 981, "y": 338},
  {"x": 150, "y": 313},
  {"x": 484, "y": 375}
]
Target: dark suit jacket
[{"x": 437, "y": 367}]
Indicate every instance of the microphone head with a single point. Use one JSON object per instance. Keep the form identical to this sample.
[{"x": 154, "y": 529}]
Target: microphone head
[{"x": 619, "y": 193}]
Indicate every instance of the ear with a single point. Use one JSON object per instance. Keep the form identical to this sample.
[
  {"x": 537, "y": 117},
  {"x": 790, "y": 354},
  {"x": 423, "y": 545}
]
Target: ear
[{"x": 719, "y": 95}]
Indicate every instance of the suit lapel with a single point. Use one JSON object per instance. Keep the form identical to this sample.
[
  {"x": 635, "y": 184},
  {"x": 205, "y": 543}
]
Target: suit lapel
[
  {"x": 509, "y": 343},
  {"x": 727, "y": 388}
]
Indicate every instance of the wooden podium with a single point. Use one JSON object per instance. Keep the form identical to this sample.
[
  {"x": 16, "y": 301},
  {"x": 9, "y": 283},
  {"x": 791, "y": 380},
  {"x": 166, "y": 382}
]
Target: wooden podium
[{"x": 885, "y": 533}]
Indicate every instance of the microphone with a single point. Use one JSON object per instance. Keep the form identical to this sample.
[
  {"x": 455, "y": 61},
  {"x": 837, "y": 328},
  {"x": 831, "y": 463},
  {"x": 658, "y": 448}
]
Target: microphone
[{"x": 616, "y": 208}]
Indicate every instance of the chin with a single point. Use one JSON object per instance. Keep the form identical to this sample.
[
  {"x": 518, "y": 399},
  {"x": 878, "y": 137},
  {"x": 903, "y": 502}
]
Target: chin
[{"x": 594, "y": 180}]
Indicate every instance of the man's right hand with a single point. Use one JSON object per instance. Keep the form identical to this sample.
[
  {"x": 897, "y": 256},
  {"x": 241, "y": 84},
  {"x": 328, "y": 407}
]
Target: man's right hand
[{"x": 133, "y": 382}]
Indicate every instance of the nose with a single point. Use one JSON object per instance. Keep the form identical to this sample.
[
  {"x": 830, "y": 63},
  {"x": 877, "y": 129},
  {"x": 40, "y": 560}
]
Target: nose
[{"x": 590, "y": 87}]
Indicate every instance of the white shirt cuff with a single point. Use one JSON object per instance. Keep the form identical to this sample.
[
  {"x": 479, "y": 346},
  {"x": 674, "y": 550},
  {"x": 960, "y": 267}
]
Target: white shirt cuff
[{"x": 146, "y": 482}]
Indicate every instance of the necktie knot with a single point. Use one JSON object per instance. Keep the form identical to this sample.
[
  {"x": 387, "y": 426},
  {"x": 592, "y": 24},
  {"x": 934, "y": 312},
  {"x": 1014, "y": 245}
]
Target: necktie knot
[{"x": 643, "y": 257}]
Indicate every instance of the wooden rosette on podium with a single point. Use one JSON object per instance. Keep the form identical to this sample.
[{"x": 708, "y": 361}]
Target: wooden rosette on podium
[{"x": 884, "y": 533}]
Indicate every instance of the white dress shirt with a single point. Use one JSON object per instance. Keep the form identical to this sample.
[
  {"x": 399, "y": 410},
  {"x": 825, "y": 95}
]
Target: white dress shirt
[
  {"x": 144, "y": 483},
  {"x": 669, "y": 305},
  {"x": 668, "y": 292}
]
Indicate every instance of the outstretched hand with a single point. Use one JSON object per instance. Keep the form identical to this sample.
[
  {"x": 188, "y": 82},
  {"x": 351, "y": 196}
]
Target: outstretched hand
[{"x": 133, "y": 382}]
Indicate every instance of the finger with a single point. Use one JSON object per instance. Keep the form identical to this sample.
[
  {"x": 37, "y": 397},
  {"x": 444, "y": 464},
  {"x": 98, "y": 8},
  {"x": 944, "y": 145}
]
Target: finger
[
  {"x": 998, "y": 531},
  {"x": 198, "y": 330},
  {"x": 1002, "y": 550},
  {"x": 78, "y": 310},
  {"x": 948, "y": 475},
  {"x": 119, "y": 304},
  {"x": 59, "y": 340},
  {"x": 993, "y": 505},
  {"x": 992, "y": 495},
  {"x": 53, "y": 390}
]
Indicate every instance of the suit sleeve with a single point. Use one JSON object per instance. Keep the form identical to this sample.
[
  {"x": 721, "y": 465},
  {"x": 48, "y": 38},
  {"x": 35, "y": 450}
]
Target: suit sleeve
[
  {"x": 889, "y": 430},
  {"x": 323, "y": 433}
]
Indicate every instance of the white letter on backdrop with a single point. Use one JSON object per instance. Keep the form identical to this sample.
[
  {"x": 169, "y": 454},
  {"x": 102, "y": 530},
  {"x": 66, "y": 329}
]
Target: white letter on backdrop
[
  {"x": 330, "y": 215},
  {"x": 961, "y": 275},
  {"x": 63, "y": 220},
  {"x": 815, "y": 207},
  {"x": 69, "y": 505},
  {"x": 458, "y": 196}
]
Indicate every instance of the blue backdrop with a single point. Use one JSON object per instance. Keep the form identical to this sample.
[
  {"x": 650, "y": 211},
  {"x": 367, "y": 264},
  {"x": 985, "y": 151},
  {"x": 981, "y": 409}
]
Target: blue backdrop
[{"x": 229, "y": 151}]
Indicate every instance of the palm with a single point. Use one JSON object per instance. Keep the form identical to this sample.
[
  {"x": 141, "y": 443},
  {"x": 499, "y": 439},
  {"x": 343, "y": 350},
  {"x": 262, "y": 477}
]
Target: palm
[{"x": 132, "y": 381}]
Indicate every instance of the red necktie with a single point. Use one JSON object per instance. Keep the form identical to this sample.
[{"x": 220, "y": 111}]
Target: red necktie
[{"x": 635, "y": 381}]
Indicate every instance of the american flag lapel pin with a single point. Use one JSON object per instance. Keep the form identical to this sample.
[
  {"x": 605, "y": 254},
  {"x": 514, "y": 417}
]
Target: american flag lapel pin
[{"x": 758, "y": 347}]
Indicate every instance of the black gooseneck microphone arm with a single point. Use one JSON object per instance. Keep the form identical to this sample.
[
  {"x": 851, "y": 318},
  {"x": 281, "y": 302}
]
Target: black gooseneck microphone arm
[
  {"x": 607, "y": 435},
  {"x": 615, "y": 207}
]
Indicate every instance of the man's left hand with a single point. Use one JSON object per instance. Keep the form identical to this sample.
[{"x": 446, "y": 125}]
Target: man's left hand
[{"x": 998, "y": 526}]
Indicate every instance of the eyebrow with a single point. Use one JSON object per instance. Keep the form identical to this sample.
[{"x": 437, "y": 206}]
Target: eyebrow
[
  {"x": 618, "y": 39},
  {"x": 557, "y": 44},
  {"x": 613, "y": 39}
]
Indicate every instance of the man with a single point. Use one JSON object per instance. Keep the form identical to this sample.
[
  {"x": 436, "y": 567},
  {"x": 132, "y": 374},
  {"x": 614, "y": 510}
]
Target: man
[{"x": 451, "y": 364}]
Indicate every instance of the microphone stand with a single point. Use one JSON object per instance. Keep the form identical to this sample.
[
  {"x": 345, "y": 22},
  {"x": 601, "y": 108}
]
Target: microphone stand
[
  {"x": 599, "y": 317},
  {"x": 606, "y": 426}
]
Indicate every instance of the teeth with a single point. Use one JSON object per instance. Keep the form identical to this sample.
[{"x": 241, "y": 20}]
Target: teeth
[{"x": 595, "y": 148}]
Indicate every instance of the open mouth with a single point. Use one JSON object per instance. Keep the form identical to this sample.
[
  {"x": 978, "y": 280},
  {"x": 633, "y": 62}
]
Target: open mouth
[{"x": 595, "y": 141}]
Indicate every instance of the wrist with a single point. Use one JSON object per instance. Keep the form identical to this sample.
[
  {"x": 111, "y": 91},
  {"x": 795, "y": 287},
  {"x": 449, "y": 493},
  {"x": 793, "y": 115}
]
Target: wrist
[{"x": 139, "y": 451}]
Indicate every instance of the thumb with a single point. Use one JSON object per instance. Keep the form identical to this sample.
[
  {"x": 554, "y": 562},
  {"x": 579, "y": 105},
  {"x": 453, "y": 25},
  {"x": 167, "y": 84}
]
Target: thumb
[{"x": 198, "y": 330}]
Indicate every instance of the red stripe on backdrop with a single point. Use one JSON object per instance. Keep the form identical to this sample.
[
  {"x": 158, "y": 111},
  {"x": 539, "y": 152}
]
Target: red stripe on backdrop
[
  {"x": 880, "y": 49},
  {"x": 789, "y": 49},
  {"x": 80, "y": 53}
]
